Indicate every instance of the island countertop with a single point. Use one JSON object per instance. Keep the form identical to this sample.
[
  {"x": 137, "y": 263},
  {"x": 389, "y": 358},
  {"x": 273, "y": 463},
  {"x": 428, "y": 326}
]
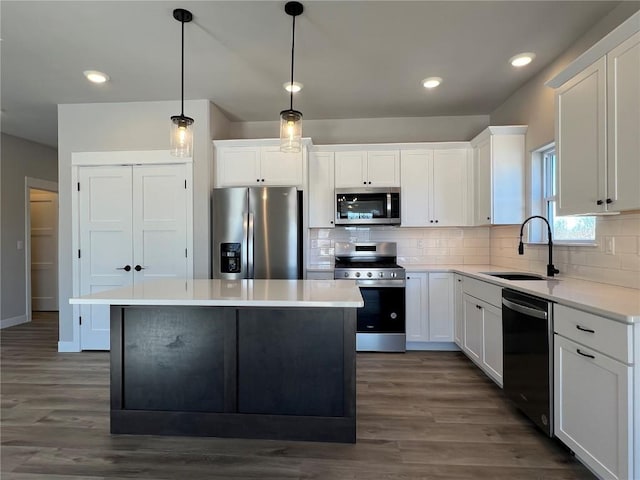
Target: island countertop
[{"x": 221, "y": 293}]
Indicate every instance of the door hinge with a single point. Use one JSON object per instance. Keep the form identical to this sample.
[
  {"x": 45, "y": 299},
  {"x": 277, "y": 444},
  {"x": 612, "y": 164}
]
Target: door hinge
[
  {"x": 79, "y": 253},
  {"x": 78, "y": 186},
  {"x": 80, "y": 318}
]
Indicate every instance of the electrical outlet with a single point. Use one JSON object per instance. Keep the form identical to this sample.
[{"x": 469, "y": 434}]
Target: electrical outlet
[
  {"x": 420, "y": 244},
  {"x": 610, "y": 245},
  {"x": 20, "y": 245}
]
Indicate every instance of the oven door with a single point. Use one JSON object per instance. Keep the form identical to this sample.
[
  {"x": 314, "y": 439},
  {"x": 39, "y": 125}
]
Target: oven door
[{"x": 383, "y": 311}]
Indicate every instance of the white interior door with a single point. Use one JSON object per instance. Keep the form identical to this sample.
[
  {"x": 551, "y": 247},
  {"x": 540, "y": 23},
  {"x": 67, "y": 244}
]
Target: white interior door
[
  {"x": 105, "y": 244},
  {"x": 159, "y": 222},
  {"x": 44, "y": 250}
]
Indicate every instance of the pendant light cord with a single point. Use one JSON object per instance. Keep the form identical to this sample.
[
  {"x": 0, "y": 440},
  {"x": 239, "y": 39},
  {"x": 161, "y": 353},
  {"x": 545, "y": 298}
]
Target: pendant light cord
[
  {"x": 293, "y": 46},
  {"x": 182, "y": 74}
]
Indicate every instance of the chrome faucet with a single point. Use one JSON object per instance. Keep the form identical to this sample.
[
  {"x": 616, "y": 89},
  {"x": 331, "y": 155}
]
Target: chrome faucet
[{"x": 551, "y": 270}]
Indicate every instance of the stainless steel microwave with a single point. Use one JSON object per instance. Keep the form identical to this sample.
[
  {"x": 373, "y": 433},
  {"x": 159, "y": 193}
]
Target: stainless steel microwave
[{"x": 367, "y": 206}]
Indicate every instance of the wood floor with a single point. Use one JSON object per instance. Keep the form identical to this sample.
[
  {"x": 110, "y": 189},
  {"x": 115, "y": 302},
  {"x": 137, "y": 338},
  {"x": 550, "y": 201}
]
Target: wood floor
[{"x": 421, "y": 415}]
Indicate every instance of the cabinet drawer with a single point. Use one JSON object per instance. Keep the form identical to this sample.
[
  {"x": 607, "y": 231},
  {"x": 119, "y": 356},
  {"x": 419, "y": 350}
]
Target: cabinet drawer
[
  {"x": 602, "y": 334},
  {"x": 488, "y": 292}
]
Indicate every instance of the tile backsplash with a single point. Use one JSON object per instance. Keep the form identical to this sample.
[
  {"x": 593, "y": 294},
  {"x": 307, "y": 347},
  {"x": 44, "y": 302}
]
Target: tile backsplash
[
  {"x": 469, "y": 245},
  {"x": 498, "y": 246},
  {"x": 618, "y": 266}
]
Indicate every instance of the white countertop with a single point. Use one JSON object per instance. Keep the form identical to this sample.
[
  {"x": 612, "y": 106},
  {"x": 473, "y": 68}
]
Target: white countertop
[
  {"x": 232, "y": 293},
  {"x": 619, "y": 303}
]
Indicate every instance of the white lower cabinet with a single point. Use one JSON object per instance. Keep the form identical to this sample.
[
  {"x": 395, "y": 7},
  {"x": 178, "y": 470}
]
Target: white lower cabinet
[
  {"x": 429, "y": 310},
  {"x": 481, "y": 327},
  {"x": 458, "y": 312},
  {"x": 594, "y": 395}
]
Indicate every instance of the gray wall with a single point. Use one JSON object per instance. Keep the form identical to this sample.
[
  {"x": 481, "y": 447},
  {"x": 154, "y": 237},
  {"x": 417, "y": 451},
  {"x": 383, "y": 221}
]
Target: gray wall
[
  {"x": 132, "y": 126},
  {"x": 19, "y": 159},
  {"x": 373, "y": 130}
]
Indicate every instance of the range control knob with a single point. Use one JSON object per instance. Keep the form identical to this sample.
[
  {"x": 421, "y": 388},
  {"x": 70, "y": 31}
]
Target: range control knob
[
  {"x": 357, "y": 274},
  {"x": 394, "y": 274},
  {"x": 381, "y": 274},
  {"x": 369, "y": 274},
  {"x": 346, "y": 274}
]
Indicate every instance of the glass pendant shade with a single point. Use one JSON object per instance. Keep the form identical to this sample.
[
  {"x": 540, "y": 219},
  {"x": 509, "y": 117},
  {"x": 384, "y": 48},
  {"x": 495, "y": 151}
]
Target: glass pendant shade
[
  {"x": 290, "y": 131},
  {"x": 181, "y": 136}
]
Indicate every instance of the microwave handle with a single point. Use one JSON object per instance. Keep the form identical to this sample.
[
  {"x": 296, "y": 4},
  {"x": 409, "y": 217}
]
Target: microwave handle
[{"x": 388, "y": 205}]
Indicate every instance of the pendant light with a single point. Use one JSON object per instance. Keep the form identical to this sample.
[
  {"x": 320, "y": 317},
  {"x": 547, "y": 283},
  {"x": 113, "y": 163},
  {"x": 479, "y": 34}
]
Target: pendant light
[
  {"x": 291, "y": 120},
  {"x": 182, "y": 126}
]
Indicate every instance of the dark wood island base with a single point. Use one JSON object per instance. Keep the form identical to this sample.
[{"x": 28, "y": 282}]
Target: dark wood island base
[{"x": 245, "y": 372}]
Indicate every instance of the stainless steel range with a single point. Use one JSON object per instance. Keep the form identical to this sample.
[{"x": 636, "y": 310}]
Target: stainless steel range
[{"x": 381, "y": 322}]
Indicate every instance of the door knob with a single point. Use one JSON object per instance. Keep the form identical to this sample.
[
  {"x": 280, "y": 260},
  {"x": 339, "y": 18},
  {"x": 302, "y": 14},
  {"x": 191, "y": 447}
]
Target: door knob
[
  {"x": 126, "y": 268},
  {"x": 138, "y": 268}
]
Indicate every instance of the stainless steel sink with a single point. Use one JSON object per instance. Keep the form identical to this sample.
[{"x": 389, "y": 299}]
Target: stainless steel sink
[{"x": 516, "y": 275}]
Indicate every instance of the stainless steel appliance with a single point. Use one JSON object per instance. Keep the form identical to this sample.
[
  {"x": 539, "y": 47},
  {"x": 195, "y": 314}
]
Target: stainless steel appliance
[
  {"x": 527, "y": 330},
  {"x": 367, "y": 206},
  {"x": 381, "y": 322},
  {"x": 256, "y": 233}
]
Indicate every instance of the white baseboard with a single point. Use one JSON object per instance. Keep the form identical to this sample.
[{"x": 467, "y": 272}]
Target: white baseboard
[
  {"x": 68, "y": 347},
  {"x": 11, "y": 322}
]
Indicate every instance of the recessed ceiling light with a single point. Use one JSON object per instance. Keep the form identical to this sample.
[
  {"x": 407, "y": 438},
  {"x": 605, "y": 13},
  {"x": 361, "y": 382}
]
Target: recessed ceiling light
[
  {"x": 95, "y": 76},
  {"x": 522, "y": 59},
  {"x": 294, "y": 87},
  {"x": 431, "y": 82}
]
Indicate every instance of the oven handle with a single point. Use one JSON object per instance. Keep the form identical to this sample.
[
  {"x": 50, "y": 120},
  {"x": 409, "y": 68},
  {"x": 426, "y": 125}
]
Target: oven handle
[
  {"x": 397, "y": 283},
  {"x": 532, "y": 312}
]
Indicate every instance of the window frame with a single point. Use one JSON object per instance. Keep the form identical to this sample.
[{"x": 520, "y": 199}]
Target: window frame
[{"x": 543, "y": 193}]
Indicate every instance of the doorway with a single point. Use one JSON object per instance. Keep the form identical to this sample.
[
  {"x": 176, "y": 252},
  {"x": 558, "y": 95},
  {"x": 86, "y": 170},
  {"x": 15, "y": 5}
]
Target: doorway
[{"x": 41, "y": 212}]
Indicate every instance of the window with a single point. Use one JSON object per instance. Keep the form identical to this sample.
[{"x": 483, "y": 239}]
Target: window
[{"x": 567, "y": 229}]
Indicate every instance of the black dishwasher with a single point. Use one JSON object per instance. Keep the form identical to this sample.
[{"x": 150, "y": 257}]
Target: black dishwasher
[{"x": 527, "y": 331}]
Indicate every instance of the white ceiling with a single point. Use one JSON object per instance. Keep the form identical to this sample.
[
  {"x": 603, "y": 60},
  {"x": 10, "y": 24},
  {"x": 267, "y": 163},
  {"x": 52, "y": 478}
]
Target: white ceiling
[{"x": 356, "y": 59}]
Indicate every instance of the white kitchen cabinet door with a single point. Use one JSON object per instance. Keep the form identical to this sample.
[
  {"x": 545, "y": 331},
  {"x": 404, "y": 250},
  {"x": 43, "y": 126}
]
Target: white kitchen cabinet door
[
  {"x": 160, "y": 222},
  {"x": 321, "y": 190},
  {"x": 415, "y": 166},
  {"x": 280, "y": 169},
  {"x": 623, "y": 134},
  {"x": 449, "y": 187},
  {"x": 106, "y": 238},
  {"x": 133, "y": 226},
  {"x": 482, "y": 200},
  {"x": 458, "y": 331},
  {"x": 492, "y": 342},
  {"x": 581, "y": 141},
  {"x": 238, "y": 166},
  {"x": 592, "y": 398},
  {"x": 350, "y": 169},
  {"x": 473, "y": 329},
  {"x": 417, "y": 308},
  {"x": 440, "y": 307},
  {"x": 383, "y": 169}
]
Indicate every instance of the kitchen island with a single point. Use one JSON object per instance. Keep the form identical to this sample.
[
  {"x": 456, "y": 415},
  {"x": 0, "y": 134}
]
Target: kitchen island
[{"x": 247, "y": 358}]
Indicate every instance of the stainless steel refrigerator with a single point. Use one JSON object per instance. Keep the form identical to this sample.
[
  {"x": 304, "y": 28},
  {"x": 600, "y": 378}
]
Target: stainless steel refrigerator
[{"x": 256, "y": 233}]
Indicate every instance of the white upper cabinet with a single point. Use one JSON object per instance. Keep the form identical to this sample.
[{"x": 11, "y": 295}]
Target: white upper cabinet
[
  {"x": 597, "y": 125},
  {"x": 434, "y": 187},
  {"x": 357, "y": 169},
  {"x": 321, "y": 190},
  {"x": 498, "y": 164},
  {"x": 623, "y": 134},
  {"x": 251, "y": 162}
]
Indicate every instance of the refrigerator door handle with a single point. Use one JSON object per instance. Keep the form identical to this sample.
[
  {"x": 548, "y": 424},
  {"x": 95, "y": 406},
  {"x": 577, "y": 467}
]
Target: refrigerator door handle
[{"x": 250, "y": 246}]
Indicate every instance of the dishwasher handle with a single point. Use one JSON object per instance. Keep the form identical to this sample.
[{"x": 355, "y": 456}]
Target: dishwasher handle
[{"x": 532, "y": 312}]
